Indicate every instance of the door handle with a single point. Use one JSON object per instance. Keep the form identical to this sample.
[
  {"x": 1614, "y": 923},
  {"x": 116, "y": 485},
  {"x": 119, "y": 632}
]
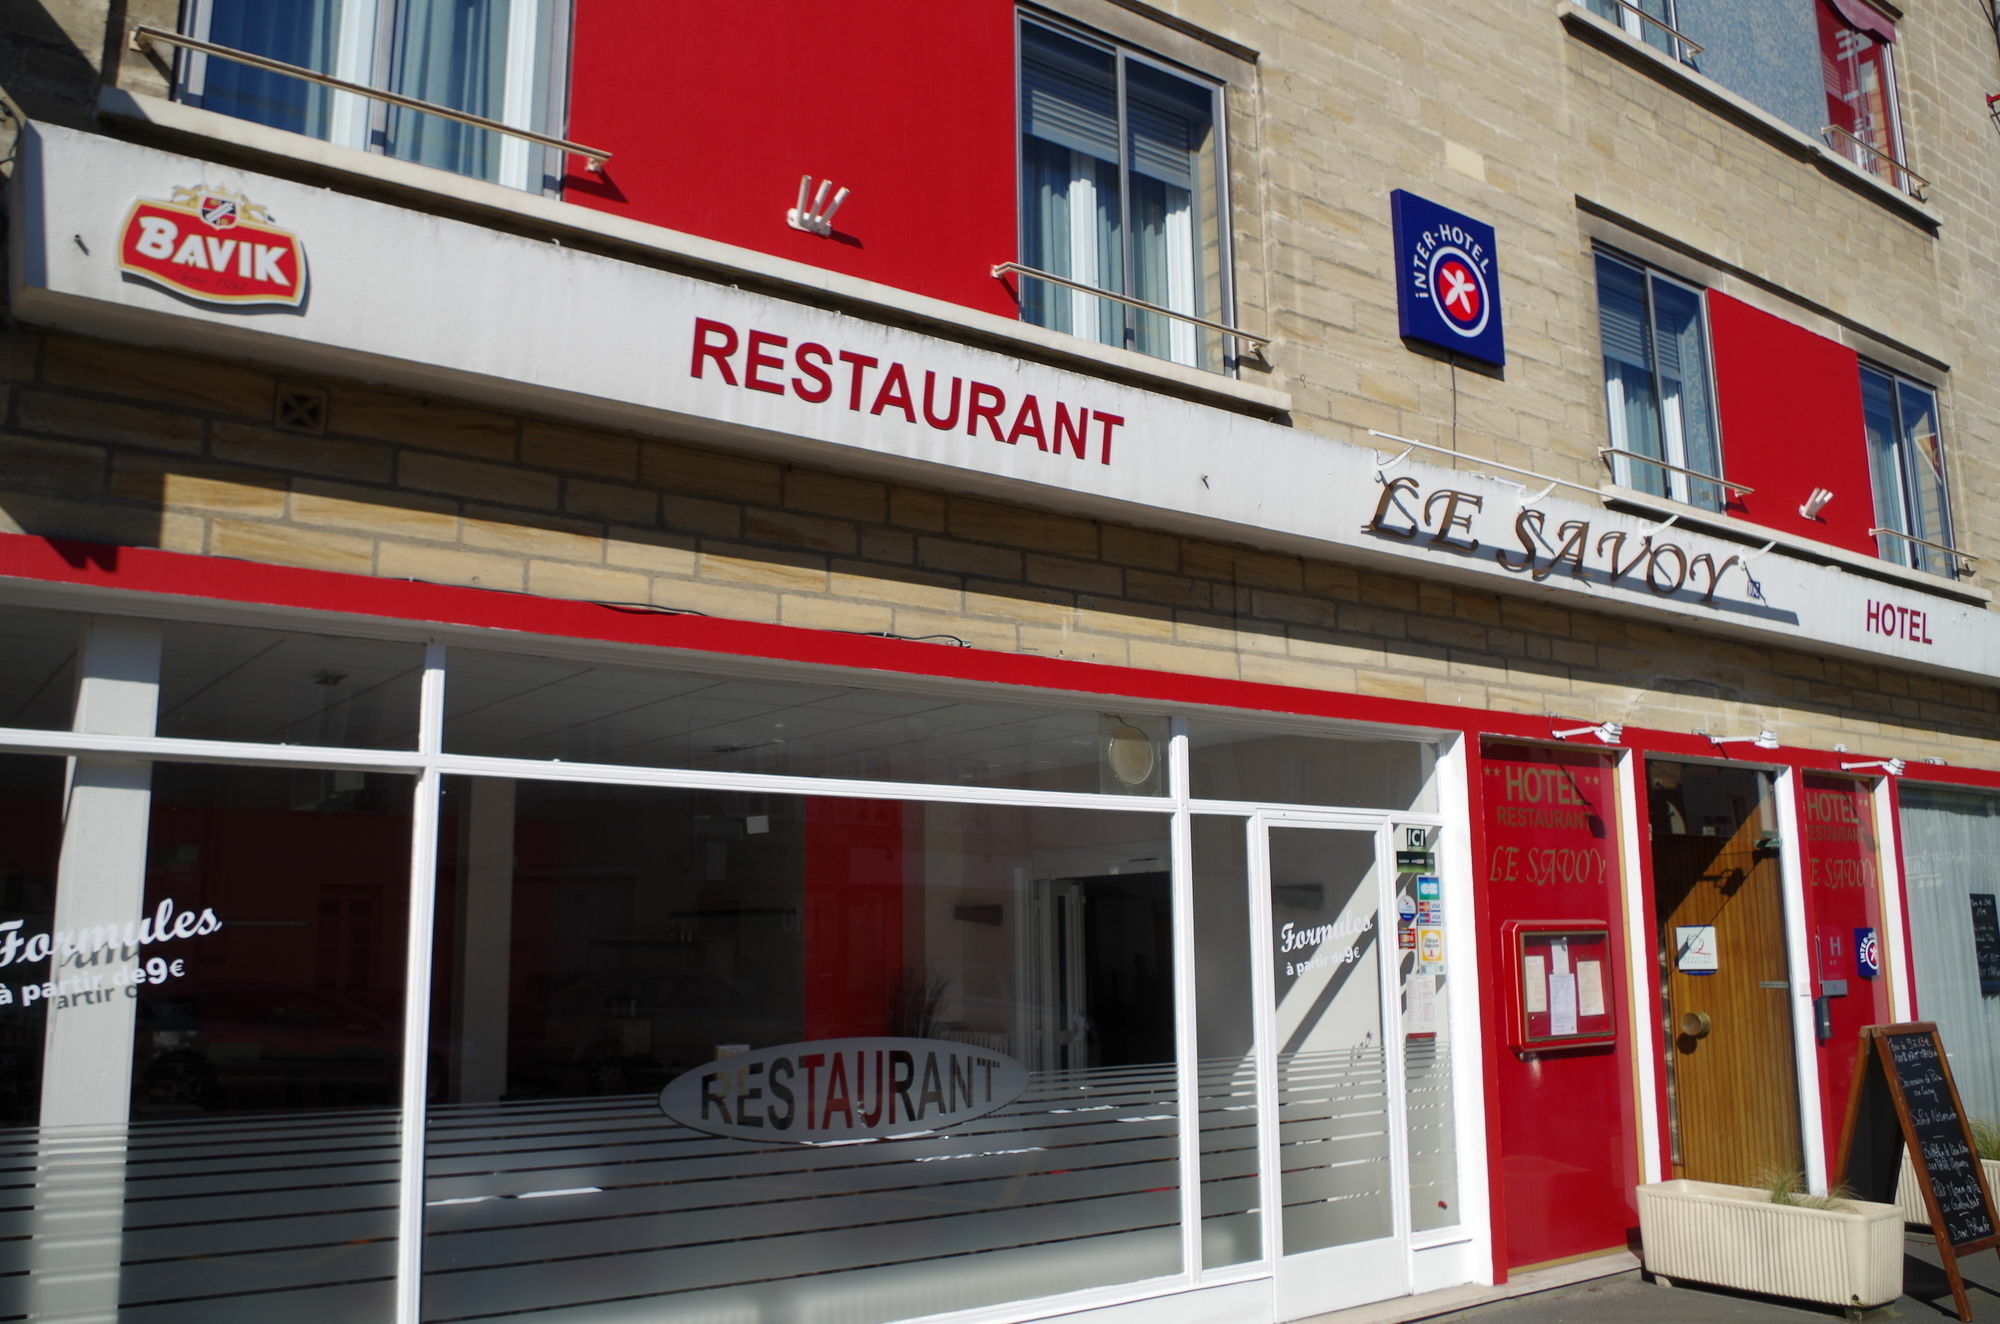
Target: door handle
[{"x": 1696, "y": 1025}]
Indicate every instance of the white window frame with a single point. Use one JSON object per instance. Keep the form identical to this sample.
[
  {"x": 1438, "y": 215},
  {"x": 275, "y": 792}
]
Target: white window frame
[
  {"x": 364, "y": 51},
  {"x": 1673, "y": 440},
  {"x": 1085, "y": 308},
  {"x": 1896, "y": 550}
]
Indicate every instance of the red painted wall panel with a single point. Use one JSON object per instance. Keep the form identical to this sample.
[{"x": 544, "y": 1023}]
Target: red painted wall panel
[
  {"x": 853, "y": 916},
  {"x": 1568, "y": 1120},
  {"x": 1790, "y": 407},
  {"x": 1843, "y": 893},
  {"x": 714, "y": 111}
]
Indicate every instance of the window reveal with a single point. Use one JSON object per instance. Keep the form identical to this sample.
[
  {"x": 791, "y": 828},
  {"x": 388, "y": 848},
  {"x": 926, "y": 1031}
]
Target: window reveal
[
  {"x": 1120, "y": 191},
  {"x": 1658, "y": 384},
  {"x": 1906, "y": 463}
]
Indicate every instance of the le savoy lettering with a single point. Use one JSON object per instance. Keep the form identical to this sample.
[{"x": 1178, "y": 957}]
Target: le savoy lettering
[{"x": 1446, "y": 516}]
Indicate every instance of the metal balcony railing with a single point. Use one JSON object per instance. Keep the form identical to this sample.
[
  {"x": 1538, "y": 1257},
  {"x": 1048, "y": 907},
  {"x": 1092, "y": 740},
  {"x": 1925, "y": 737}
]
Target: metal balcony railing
[
  {"x": 1962, "y": 562},
  {"x": 1671, "y": 39},
  {"x": 1716, "y": 480},
  {"x": 144, "y": 38},
  {"x": 1874, "y": 160},
  {"x": 1256, "y": 343}
]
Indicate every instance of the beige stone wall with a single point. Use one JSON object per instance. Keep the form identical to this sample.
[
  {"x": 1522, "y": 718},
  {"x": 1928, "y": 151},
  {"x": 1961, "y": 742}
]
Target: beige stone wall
[{"x": 149, "y": 448}]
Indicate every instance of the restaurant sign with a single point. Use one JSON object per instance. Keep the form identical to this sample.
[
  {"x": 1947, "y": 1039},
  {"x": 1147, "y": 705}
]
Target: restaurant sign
[{"x": 844, "y": 1090}]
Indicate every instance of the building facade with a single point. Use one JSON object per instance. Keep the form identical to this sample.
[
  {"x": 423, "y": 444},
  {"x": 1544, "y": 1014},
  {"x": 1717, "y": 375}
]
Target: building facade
[{"x": 1191, "y": 661}]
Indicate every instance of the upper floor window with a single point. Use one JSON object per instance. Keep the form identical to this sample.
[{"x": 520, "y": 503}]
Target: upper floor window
[
  {"x": 1658, "y": 384},
  {"x": 1651, "y": 21},
  {"x": 1906, "y": 465},
  {"x": 1121, "y": 191},
  {"x": 1855, "y": 46},
  {"x": 492, "y": 58}
]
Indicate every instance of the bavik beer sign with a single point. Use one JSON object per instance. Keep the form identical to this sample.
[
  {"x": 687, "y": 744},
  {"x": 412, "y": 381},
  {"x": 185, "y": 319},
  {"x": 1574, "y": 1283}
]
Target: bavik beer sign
[{"x": 214, "y": 247}]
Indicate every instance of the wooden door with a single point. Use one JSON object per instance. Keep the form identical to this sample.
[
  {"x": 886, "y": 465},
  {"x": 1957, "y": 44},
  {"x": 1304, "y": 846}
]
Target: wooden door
[{"x": 1732, "y": 1070}]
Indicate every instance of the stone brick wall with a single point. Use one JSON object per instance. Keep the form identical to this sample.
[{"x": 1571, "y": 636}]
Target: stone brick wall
[{"x": 146, "y": 447}]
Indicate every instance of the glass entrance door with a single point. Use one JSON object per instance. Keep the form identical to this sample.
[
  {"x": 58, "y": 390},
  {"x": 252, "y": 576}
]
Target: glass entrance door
[{"x": 1335, "y": 1148}]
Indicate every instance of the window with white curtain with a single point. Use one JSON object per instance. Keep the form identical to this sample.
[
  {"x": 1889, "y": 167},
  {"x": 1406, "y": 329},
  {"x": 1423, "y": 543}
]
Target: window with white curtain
[
  {"x": 1120, "y": 191},
  {"x": 1658, "y": 385},
  {"x": 1906, "y": 465},
  {"x": 492, "y": 58}
]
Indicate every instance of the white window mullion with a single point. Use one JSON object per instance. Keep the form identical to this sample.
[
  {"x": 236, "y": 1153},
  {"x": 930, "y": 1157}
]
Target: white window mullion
[
  {"x": 1180, "y": 281},
  {"x": 417, "y": 983},
  {"x": 1085, "y": 312},
  {"x": 349, "y": 117},
  {"x": 517, "y": 89}
]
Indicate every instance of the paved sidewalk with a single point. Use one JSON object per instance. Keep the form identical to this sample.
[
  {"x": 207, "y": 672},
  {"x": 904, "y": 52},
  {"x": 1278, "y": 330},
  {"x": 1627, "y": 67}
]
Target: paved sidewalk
[{"x": 1612, "y": 1289}]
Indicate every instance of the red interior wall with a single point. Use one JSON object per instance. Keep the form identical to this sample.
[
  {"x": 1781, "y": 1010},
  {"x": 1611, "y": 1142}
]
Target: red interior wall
[
  {"x": 712, "y": 112},
  {"x": 1843, "y": 893},
  {"x": 1790, "y": 408},
  {"x": 853, "y": 916},
  {"x": 1568, "y": 1120}
]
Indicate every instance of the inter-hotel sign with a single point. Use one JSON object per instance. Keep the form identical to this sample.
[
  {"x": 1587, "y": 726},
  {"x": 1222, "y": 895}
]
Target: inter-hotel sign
[{"x": 439, "y": 305}]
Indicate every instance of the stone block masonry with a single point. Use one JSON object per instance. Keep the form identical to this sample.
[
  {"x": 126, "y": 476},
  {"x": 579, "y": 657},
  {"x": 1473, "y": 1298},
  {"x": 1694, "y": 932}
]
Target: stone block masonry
[{"x": 144, "y": 447}]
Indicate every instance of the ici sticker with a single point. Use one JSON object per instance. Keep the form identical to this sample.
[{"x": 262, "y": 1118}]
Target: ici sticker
[
  {"x": 215, "y": 247},
  {"x": 843, "y": 1090}
]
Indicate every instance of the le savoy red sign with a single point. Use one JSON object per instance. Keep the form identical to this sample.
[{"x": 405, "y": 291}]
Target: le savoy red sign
[{"x": 213, "y": 246}]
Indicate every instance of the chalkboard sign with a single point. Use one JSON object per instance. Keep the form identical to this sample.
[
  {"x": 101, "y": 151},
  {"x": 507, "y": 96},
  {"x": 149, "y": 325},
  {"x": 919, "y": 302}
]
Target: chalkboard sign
[
  {"x": 1903, "y": 1095},
  {"x": 1986, "y": 940}
]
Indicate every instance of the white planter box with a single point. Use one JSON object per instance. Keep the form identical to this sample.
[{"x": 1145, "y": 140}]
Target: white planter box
[
  {"x": 1733, "y": 1236},
  {"x": 1910, "y": 1196}
]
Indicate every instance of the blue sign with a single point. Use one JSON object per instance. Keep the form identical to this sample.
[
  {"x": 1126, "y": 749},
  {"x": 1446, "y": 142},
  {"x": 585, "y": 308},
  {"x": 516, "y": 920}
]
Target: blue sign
[
  {"x": 1406, "y": 909},
  {"x": 1867, "y": 954},
  {"x": 1447, "y": 279},
  {"x": 1427, "y": 888}
]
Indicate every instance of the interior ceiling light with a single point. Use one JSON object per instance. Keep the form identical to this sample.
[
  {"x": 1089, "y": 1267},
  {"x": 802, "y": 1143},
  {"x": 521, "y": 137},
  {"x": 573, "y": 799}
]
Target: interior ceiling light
[{"x": 1128, "y": 752}]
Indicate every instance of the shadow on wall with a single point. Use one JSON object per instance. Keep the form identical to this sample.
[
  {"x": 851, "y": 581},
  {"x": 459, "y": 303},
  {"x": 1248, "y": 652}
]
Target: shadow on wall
[{"x": 48, "y": 70}]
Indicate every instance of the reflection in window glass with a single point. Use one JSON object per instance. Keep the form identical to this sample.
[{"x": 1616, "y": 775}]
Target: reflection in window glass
[
  {"x": 31, "y": 792},
  {"x": 511, "y": 706},
  {"x": 256, "y": 969},
  {"x": 1249, "y": 763},
  {"x": 1333, "y": 1080},
  {"x": 38, "y": 667},
  {"x": 1232, "y": 1230},
  {"x": 273, "y": 687},
  {"x": 594, "y": 942}
]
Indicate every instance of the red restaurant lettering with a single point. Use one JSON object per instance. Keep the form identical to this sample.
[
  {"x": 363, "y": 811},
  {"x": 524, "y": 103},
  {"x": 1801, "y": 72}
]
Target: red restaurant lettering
[{"x": 771, "y": 363}]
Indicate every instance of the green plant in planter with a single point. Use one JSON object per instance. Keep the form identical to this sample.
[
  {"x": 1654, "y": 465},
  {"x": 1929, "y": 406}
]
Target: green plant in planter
[
  {"x": 1986, "y": 1140},
  {"x": 1788, "y": 1186}
]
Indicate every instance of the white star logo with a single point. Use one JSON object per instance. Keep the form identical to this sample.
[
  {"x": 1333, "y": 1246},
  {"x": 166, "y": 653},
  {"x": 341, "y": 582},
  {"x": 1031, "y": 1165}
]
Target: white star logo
[{"x": 1458, "y": 288}]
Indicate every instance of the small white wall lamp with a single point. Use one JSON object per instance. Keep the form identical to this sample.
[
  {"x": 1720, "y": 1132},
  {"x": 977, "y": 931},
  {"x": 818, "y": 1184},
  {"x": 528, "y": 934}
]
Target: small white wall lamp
[
  {"x": 1816, "y": 503},
  {"x": 1609, "y": 733},
  {"x": 1762, "y": 740},
  {"x": 1894, "y": 767},
  {"x": 814, "y": 214}
]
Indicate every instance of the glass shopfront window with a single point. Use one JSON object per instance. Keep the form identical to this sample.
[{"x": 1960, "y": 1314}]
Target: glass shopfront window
[
  {"x": 690, "y": 1051},
  {"x": 507, "y": 705},
  {"x": 596, "y": 942}
]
